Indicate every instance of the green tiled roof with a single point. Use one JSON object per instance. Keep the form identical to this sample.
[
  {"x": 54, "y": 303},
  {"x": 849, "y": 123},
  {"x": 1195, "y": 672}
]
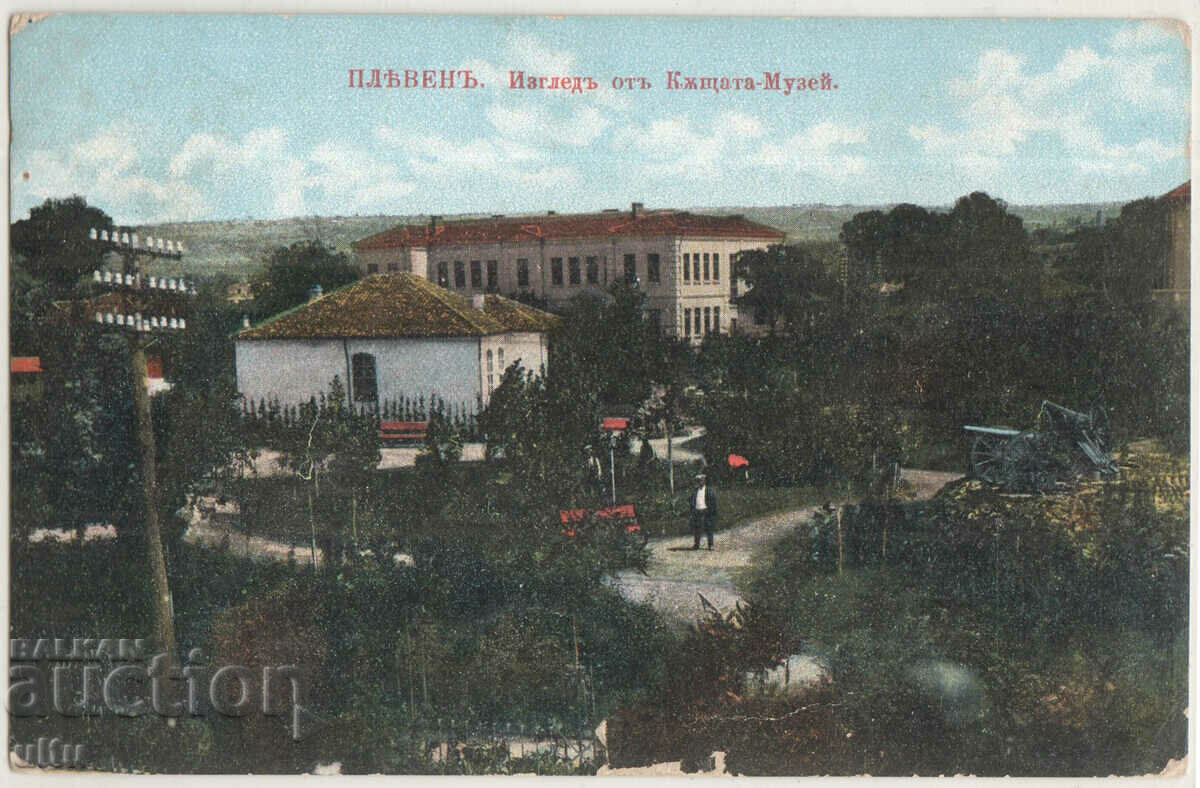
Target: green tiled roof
[{"x": 399, "y": 305}]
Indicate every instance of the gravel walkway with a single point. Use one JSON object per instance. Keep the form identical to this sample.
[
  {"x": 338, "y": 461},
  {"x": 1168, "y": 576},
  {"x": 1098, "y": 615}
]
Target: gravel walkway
[{"x": 677, "y": 574}]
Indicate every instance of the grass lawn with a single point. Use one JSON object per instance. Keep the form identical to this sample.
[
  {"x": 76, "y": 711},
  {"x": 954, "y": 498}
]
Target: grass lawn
[{"x": 277, "y": 507}]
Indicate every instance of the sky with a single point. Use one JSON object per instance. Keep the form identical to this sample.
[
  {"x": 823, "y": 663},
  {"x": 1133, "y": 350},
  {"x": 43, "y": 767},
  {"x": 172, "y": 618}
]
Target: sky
[{"x": 158, "y": 118}]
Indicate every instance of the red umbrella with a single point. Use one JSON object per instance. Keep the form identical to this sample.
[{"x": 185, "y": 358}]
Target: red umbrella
[{"x": 738, "y": 461}]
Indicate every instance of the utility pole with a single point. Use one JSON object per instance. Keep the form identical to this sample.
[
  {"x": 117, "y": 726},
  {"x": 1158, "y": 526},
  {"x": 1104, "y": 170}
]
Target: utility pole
[{"x": 144, "y": 307}]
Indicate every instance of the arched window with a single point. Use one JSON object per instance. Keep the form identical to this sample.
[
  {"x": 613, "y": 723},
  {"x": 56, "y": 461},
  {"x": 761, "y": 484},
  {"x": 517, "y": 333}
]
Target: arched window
[
  {"x": 490, "y": 377},
  {"x": 365, "y": 387}
]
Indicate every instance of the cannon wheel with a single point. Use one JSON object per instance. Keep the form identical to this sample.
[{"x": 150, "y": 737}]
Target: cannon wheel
[{"x": 988, "y": 459}]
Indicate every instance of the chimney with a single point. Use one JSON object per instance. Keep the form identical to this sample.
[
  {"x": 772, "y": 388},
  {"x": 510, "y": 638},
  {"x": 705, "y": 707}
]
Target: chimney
[
  {"x": 479, "y": 300},
  {"x": 635, "y": 209},
  {"x": 433, "y": 223},
  {"x": 315, "y": 292}
]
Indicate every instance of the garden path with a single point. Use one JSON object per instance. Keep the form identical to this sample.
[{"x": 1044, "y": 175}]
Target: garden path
[{"x": 677, "y": 575}]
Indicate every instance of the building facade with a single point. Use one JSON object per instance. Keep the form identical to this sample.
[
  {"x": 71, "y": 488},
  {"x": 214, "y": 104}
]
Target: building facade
[
  {"x": 1174, "y": 281},
  {"x": 389, "y": 338},
  {"x": 683, "y": 262}
]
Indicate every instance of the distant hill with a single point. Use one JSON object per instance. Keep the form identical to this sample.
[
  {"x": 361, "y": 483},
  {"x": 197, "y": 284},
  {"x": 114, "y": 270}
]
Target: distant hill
[{"x": 236, "y": 248}]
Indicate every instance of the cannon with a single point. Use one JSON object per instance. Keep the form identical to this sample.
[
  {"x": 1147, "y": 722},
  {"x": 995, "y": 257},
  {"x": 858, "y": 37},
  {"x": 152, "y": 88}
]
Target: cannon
[{"x": 1064, "y": 447}]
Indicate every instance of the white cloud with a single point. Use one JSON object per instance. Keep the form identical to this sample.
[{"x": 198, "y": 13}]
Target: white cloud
[
  {"x": 257, "y": 146},
  {"x": 579, "y": 129},
  {"x": 433, "y": 157},
  {"x": 522, "y": 52},
  {"x": 350, "y": 177},
  {"x": 818, "y": 150},
  {"x": 676, "y": 149},
  {"x": 1003, "y": 108},
  {"x": 1144, "y": 35},
  {"x": 529, "y": 51},
  {"x": 105, "y": 169},
  {"x": 212, "y": 175}
]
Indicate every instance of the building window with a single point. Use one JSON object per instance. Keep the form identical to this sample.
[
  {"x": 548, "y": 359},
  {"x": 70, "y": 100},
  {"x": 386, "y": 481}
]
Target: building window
[
  {"x": 460, "y": 275},
  {"x": 443, "y": 277},
  {"x": 593, "y": 271},
  {"x": 707, "y": 321},
  {"x": 653, "y": 269},
  {"x": 716, "y": 267},
  {"x": 687, "y": 322},
  {"x": 696, "y": 267},
  {"x": 372, "y": 268},
  {"x": 706, "y": 266},
  {"x": 717, "y": 319},
  {"x": 476, "y": 274},
  {"x": 733, "y": 289},
  {"x": 493, "y": 272},
  {"x": 393, "y": 268},
  {"x": 490, "y": 377},
  {"x": 733, "y": 325},
  {"x": 362, "y": 367},
  {"x": 573, "y": 267},
  {"x": 556, "y": 274},
  {"x": 630, "y": 269},
  {"x": 687, "y": 267},
  {"x": 696, "y": 317},
  {"x": 500, "y": 359},
  {"x": 522, "y": 272}
]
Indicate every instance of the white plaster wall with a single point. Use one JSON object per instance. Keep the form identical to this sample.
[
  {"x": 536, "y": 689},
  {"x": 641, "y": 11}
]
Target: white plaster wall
[
  {"x": 293, "y": 370},
  {"x": 446, "y": 366},
  {"x": 288, "y": 370},
  {"x": 530, "y": 349}
]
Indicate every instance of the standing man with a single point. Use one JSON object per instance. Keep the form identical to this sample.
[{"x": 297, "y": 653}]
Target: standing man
[{"x": 704, "y": 511}]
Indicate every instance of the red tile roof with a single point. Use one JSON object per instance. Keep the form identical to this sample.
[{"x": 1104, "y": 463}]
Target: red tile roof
[
  {"x": 399, "y": 305},
  {"x": 1183, "y": 192},
  {"x": 570, "y": 226},
  {"x": 25, "y": 365}
]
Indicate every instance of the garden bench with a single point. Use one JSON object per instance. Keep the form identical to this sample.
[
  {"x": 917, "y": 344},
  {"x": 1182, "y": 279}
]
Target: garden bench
[
  {"x": 403, "y": 430},
  {"x": 625, "y": 514}
]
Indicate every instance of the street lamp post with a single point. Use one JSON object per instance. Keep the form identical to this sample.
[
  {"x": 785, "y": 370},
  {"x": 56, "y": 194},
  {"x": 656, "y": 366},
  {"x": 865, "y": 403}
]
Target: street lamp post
[{"x": 612, "y": 426}]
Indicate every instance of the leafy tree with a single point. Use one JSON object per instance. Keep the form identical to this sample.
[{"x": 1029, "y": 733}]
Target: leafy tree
[
  {"x": 290, "y": 272},
  {"x": 606, "y": 345},
  {"x": 540, "y": 428},
  {"x": 1123, "y": 258},
  {"x": 905, "y": 245},
  {"x": 54, "y": 241},
  {"x": 988, "y": 249},
  {"x": 73, "y": 449},
  {"x": 784, "y": 283}
]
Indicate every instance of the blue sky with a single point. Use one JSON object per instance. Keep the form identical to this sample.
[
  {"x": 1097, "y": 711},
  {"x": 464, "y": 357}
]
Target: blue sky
[{"x": 159, "y": 117}]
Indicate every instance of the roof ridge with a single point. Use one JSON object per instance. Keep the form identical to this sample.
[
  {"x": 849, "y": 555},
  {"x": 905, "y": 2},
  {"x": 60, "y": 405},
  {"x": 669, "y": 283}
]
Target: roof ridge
[{"x": 449, "y": 300}]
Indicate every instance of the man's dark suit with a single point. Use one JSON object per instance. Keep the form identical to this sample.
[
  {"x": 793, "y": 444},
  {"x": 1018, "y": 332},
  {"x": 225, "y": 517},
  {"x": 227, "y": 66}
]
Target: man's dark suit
[{"x": 704, "y": 519}]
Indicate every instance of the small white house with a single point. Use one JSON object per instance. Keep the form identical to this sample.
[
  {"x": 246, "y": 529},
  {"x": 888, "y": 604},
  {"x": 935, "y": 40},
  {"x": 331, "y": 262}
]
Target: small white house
[{"x": 390, "y": 336}]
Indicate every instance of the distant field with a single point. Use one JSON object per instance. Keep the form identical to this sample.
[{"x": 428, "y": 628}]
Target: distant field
[{"x": 236, "y": 248}]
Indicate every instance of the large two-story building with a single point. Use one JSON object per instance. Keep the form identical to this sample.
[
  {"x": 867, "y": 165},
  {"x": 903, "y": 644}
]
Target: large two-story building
[{"x": 681, "y": 261}]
